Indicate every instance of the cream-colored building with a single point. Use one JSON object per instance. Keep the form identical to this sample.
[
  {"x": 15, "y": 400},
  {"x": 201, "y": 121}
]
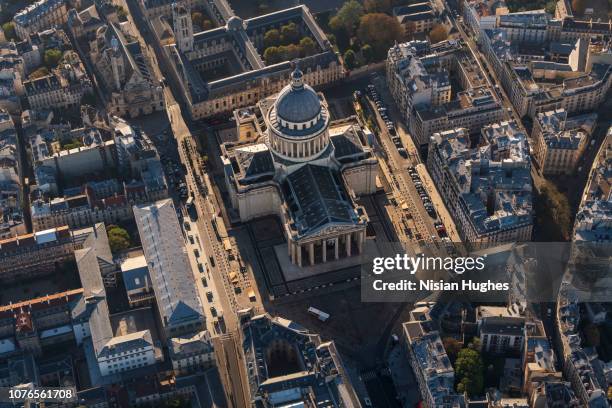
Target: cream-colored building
[
  {"x": 40, "y": 16},
  {"x": 307, "y": 171},
  {"x": 63, "y": 88},
  {"x": 559, "y": 141},
  {"x": 223, "y": 69},
  {"x": 192, "y": 353}
]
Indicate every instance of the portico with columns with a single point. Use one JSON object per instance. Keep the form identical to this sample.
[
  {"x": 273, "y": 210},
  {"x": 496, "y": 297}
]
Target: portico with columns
[{"x": 328, "y": 248}]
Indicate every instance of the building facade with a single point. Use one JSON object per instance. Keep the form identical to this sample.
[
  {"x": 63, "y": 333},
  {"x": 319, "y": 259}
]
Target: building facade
[
  {"x": 238, "y": 46},
  {"x": 559, "y": 141},
  {"x": 125, "y": 72},
  {"x": 63, "y": 88},
  {"x": 31, "y": 255},
  {"x": 39, "y": 16},
  {"x": 487, "y": 190}
]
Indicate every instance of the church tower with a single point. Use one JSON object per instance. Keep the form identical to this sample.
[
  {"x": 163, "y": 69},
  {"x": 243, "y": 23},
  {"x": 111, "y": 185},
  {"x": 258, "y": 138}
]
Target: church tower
[{"x": 183, "y": 27}]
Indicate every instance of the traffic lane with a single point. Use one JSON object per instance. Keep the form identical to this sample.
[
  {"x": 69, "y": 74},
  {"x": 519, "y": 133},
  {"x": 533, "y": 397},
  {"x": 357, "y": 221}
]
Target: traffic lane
[{"x": 408, "y": 192}]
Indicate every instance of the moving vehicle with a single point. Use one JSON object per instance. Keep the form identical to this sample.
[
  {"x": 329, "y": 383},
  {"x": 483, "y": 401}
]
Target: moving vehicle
[{"x": 322, "y": 316}]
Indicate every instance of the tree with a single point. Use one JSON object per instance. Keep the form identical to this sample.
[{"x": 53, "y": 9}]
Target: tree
[
  {"x": 118, "y": 238},
  {"x": 197, "y": 18},
  {"x": 121, "y": 14},
  {"x": 378, "y": 6},
  {"x": 207, "y": 24},
  {"x": 347, "y": 18},
  {"x": 553, "y": 213},
  {"x": 438, "y": 33},
  {"x": 578, "y": 6},
  {"x": 452, "y": 347},
  {"x": 289, "y": 34},
  {"x": 367, "y": 53},
  {"x": 9, "y": 31},
  {"x": 272, "y": 55},
  {"x": 350, "y": 60},
  {"x": 550, "y": 7},
  {"x": 272, "y": 38},
  {"x": 469, "y": 372},
  {"x": 52, "y": 57},
  {"x": 288, "y": 52},
  {"x": 380, "y": 31},
  {"x": 307, "y": 46}
]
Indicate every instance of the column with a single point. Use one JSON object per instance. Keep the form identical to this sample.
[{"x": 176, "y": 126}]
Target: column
[
  {"x": 336, "y": 247},
  {"x": 360, "y": 241},
  {"x": 299, "y": 255},
  {"x": 324, "y": 249},
  {"x": 293, "y": 253},
  {"x": 347, "y": 237},
  {"x": 311, "y": 253}
]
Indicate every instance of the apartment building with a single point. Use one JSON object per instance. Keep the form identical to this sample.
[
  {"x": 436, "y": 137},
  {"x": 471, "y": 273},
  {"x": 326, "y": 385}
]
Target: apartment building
[
  {"x": 559, "y": 141},
  {"x": 31, "y": 255},
  {"x": 416, "y": 17},
  {"x": 91, "y": 205},
  {"x": 418, "y": 76},
  {"x": 63, "y": 88},
  {"x": 433, "y": 370},
  {"x": 536, "y": 80},
  {"x": 480, "y": 14},
  {"x": 192, "y": 353},
  {"x": 502, "y": 335},
  {"x": 39, "y": 16},
  {"x": 488, "y": 189}
]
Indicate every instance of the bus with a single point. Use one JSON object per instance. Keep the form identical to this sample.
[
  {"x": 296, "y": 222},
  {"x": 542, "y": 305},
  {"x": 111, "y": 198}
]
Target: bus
[
  {"x": 322, "y": 316},
  {"x": 189, "y": 203}
]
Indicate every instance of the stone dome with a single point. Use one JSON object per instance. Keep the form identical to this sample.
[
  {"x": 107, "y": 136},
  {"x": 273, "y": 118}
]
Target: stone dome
[
  {"x": 235, "y": 23},
  {"x": 298, "y": 103}
]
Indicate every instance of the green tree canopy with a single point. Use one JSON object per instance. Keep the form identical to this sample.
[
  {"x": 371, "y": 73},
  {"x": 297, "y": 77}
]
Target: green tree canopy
[
  {"x": 378, "y": 6},
  {"x": 197, "y": 18},
  {"x": 367, "y": 52},
  {"x": 347, "y": 18},
  {"x": 553, "y": 213},
  {"x": 289, "y": 52},
  {"x": 380, "y": 31},
  {"x": 207, "y": 24},
  {"x": 307, "y": 46},
  {"x": 272, "y": 55},
  {"x": 469, "y": 372},
  {"x": 9, "y": 31},
  {"x": 272, "y": 38},
  {"x": 52, "y": 57},
  {"x": 350, "y": 60},
  {"x": 289, "y": 34},
  {"x": 121, "y": 14},
  {"x": 118, "y": 238}
]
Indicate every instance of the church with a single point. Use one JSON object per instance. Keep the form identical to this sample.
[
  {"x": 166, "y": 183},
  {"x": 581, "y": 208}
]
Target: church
[{"x": 299, "y": 165}]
